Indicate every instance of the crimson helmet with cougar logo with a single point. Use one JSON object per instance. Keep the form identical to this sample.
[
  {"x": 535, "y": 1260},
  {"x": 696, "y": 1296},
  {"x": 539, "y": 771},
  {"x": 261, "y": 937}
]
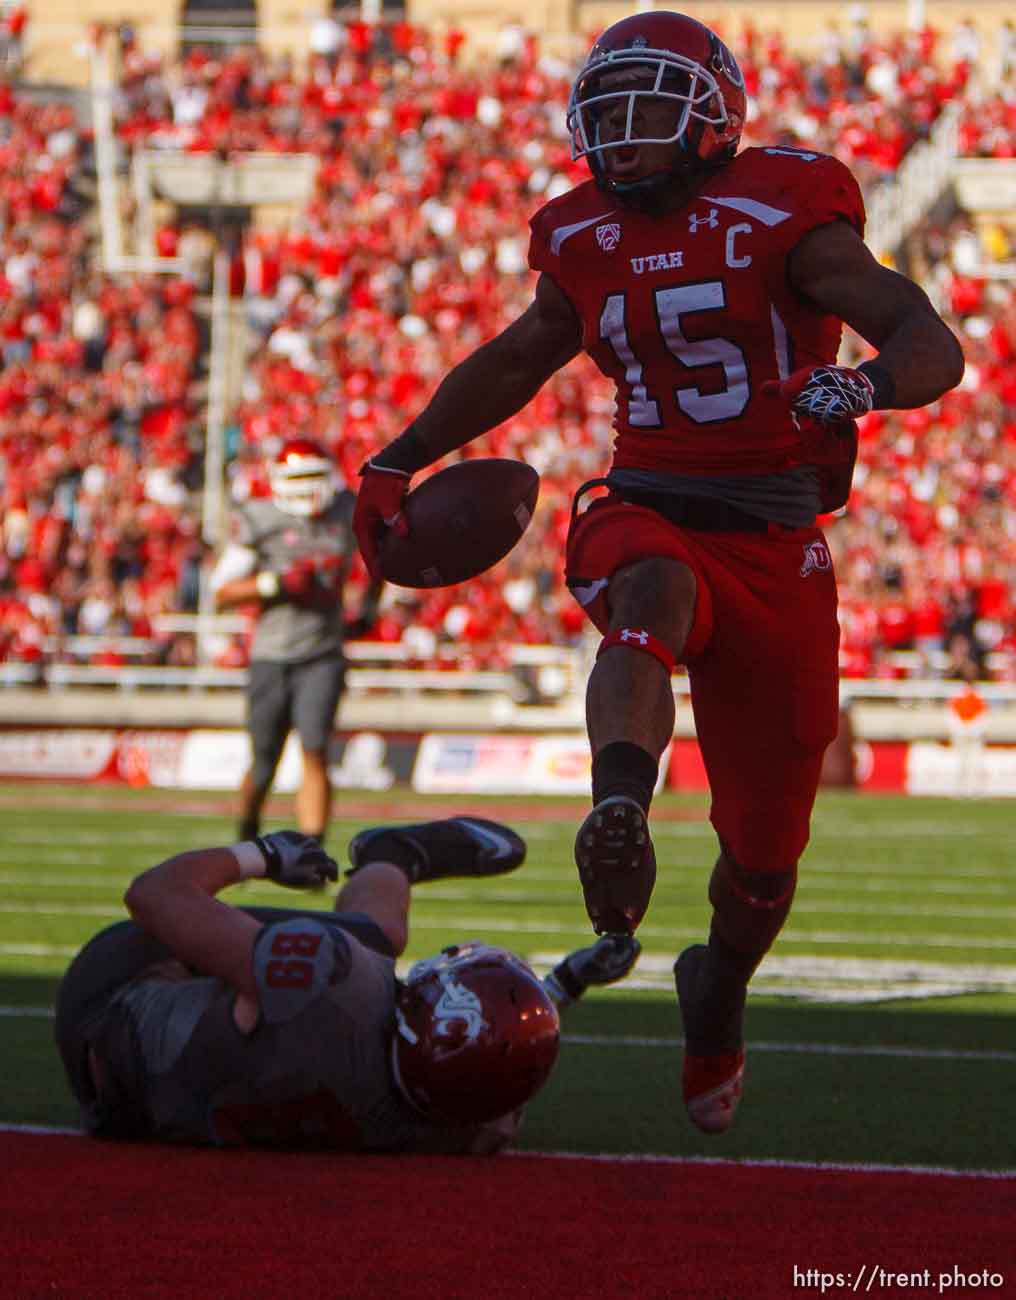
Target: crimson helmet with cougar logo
[{"x": 476, "y": 1036}]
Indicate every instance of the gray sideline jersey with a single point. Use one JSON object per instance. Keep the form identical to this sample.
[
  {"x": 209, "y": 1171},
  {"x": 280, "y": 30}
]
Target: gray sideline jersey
[
  {"x": 314, "y": 1071},
  {"x": 284, "y": 632}
]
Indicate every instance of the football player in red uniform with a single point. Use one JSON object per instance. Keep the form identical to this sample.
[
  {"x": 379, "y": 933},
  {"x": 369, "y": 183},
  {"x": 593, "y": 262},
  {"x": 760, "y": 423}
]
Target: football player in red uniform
[{"x": 712, "y": 286}]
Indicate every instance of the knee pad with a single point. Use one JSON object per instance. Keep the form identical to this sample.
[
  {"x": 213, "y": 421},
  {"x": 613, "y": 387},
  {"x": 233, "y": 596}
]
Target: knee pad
[
  {"x": 639, "y": 638},
  {"x": 749, "y": 907}
]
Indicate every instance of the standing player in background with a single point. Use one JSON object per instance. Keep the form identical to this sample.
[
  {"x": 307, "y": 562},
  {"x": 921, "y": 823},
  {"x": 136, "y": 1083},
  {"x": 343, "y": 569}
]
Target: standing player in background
[
  {"x": 204, "y": 1023},
  {"x": 291, "y": 555},
  {"x": 712, "y": 287}
]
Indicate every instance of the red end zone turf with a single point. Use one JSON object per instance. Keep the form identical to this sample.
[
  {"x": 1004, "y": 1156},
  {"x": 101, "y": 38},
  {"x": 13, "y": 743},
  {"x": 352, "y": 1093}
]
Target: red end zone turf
[{"x": 80, "y": 1218}]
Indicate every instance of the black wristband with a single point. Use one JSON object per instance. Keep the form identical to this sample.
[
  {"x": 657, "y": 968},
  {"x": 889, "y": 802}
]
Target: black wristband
[
  {"x": 408, "y": 453},
  {"x": 883, "y": 385}
]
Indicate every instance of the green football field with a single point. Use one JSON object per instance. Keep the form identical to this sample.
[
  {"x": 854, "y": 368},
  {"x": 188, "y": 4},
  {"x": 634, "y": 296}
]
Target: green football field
[{"x": 881, "y": 1027}]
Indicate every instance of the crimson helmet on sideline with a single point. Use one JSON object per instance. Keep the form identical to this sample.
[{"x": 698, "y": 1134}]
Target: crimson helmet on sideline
[
  {"x": 685, "y": 62},
  {"x": 302, "y": 477},
  {"x": 477, "y": 1034}
]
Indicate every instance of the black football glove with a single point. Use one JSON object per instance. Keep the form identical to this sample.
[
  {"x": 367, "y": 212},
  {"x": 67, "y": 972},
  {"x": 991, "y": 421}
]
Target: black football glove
[
  {"x": 296, "y": 860},
  {"x": 828, "y": 394},
  {"x": 821, "y": 399}
]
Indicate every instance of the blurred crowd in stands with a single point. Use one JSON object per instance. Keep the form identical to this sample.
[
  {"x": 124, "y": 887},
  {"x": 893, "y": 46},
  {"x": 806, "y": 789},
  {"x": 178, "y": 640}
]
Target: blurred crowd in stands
[{"x": 411, "y": 251}]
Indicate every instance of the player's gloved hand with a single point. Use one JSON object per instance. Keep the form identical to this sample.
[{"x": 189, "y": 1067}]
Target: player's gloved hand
[
  {"x": 828, "y": 394},
  {"x": 298, "y": 580},
  {"x": 309, "y": 582},
  {"x": 824, "y": 402},
  {"x": 295, "y": 860},
  {"x": 379, "y": 506}
]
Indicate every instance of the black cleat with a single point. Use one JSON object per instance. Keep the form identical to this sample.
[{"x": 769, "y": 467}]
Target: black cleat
[
  {"x": 606, "y": 961},
  {"x": 457, "y": 846},
  {"x": 617, "y": 865}
]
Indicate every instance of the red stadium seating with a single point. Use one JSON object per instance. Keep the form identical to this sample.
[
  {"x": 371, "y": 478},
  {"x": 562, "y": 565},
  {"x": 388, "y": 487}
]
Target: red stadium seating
[{"x": 410, "y": 252}]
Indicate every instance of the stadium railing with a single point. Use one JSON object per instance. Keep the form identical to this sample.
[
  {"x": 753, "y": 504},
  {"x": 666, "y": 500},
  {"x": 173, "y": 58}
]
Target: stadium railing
[{"x": 897, "y": 204}]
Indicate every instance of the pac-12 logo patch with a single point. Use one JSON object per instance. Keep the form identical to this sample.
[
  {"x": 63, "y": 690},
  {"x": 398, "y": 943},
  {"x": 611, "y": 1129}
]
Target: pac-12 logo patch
[
  {"x": 608, "y": 236},
  {"x": 816, "y": 559}
]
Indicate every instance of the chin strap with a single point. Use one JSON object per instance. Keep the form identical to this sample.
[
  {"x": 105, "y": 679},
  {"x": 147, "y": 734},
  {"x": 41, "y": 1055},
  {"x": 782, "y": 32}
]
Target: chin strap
[
  {"x": 645, "y": 194},
  {"x": 642, "y": 194}
]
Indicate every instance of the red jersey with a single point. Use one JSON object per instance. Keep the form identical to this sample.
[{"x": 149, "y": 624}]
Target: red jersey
[{"x": 691, "y": 312}]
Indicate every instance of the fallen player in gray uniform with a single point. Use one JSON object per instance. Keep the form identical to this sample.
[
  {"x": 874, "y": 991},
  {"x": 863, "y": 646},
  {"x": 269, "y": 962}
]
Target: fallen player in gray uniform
[{"x": 200, "y": 1022}]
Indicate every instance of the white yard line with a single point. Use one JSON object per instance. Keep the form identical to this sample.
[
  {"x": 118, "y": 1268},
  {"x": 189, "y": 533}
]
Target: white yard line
[
  {"x": 837, "y": 908},
  {"x": 810, "y": 1166},
  {"x": 674, "y": 937},
  {"x": 63, "y": 909},
  {"x": 833, "y": 1166},
  {"x": 805, "y": 1049},
  {"x": 669, "y": 1044}
]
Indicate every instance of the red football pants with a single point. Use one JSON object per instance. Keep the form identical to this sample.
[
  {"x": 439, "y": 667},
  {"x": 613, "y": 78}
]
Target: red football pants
[{"x": 761, "y": 658}]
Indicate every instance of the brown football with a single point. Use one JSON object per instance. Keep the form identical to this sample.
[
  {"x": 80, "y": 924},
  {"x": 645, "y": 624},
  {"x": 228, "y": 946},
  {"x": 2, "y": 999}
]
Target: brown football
[{"x": 462, "y": 520}]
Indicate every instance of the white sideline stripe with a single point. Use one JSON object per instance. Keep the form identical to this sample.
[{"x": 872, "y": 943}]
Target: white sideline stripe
[
  {"x": 830, "y": 1166},
  {"x": 607, "y": 1040}
]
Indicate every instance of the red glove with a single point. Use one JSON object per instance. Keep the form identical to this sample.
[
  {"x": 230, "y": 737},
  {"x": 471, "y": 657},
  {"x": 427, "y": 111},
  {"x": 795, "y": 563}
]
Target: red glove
[
  {"x": 299, "y": 581},
  {"x": 379, "y": 506}
]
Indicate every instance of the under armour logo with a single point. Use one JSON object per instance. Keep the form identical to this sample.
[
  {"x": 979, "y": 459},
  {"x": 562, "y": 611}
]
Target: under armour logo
[
  {"x": 608, "y": 236},
  {"x": 640, "y": 635},
  {"x": 816, "y": 559},
  {"x": 712, "y": 221}
]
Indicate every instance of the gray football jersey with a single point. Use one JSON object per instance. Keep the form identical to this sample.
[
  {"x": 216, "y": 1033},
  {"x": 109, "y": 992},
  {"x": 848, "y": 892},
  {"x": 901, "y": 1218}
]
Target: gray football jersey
[
  {"x": 286, "y": 632},
  {"x": 314, "y": 1072}
]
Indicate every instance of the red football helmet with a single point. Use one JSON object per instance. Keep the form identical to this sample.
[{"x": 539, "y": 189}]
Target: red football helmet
[
  {"x": 302, "y": 478},
  {"x": 477, "y": 1034},
  {"x": 686, "y": 63}
]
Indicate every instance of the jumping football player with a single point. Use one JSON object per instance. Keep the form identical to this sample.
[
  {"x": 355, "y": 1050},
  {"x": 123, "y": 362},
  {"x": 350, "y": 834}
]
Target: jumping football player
[
  {"x": 203, "y": 1023},
  {"x": 711, "y": 286},
  {"x": 289, "y": 555}
]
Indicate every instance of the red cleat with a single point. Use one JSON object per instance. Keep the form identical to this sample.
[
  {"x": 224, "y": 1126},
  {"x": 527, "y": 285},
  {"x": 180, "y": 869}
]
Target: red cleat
[
  {"x": 617, "y": 865},
  {"x": 711, "y": 1082},
  {"x": 712, "y": 1089}
]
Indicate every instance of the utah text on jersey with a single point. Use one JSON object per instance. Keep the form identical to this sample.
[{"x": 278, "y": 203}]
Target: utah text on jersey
[{"x": 698, "y": 311}]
